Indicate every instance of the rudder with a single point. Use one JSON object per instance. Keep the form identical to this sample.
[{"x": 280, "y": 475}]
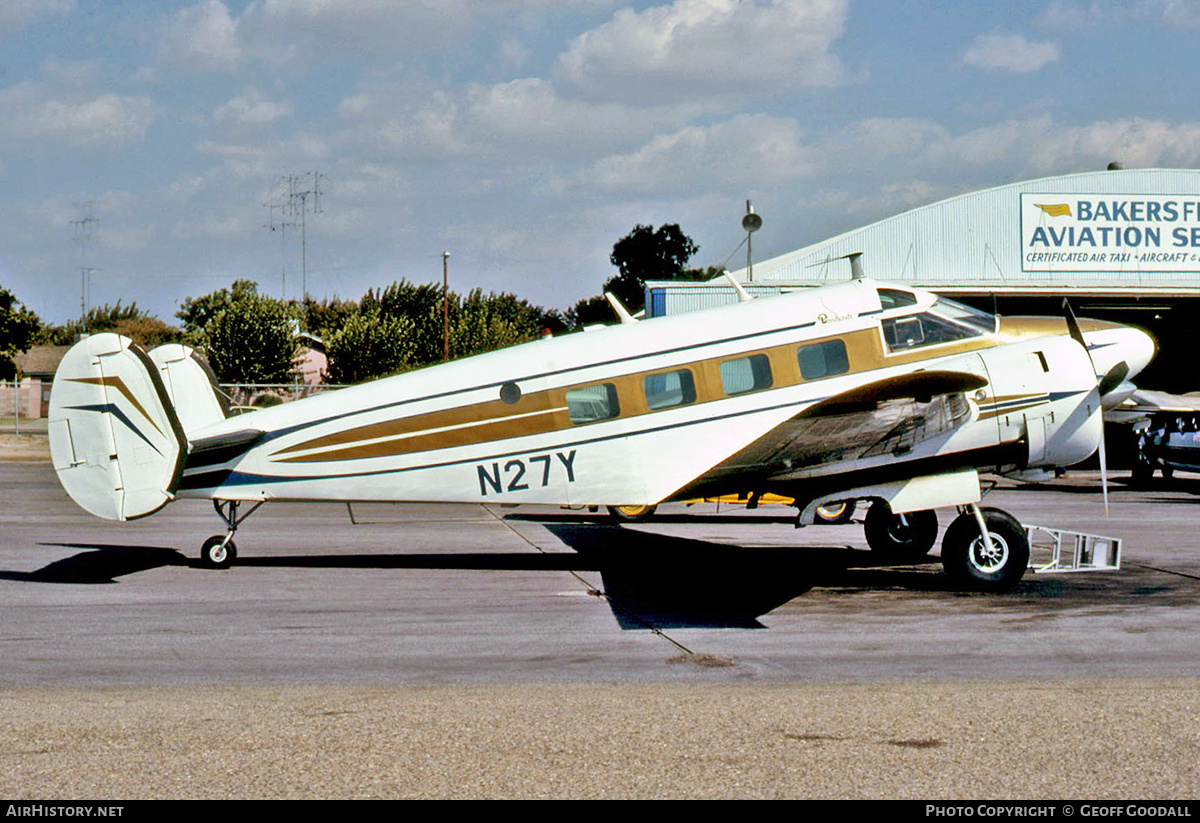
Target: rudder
[{"x": 191, "y": 387}]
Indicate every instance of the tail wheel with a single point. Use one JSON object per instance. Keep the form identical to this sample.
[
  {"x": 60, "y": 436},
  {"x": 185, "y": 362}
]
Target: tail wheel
[
  {"x": 217, "y": 553},
  {"x": 969, "y": 561},
  {"x": 907, "y": 536},
  {"x": 836, "y": 513},
  {"x": 631, "y": 514}
]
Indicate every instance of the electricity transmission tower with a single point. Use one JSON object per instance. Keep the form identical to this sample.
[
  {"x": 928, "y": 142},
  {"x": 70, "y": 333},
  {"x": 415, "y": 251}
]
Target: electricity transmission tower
[
  {"x": 81, "y": 230},
  {"x": 298, "y": 196}
]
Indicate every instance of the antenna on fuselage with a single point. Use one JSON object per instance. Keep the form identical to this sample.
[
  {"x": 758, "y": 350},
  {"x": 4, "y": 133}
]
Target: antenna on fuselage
[
  {"x": 743, "y": 295},
  {"x": 856, "y": 267},
  {"x": 622, "y": 315}
]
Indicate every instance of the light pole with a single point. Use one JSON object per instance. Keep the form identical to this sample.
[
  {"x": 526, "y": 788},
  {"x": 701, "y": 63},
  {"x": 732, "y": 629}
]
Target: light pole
[{"x": 445, "y": 308}]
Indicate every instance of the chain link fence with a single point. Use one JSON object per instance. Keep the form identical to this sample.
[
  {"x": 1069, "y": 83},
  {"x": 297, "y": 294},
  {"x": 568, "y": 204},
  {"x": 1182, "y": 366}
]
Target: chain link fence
[
  {"x": 245, "y": 397},
  {"x": 20, "y": 407}
]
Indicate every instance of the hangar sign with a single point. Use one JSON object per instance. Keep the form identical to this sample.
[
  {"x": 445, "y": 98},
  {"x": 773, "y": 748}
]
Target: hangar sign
[{"x": 1110, "y": 232}]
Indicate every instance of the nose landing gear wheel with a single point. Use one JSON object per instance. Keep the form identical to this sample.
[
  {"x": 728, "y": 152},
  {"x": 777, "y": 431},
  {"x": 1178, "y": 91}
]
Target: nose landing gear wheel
[
  {"x": 216, "y": 553},
  {"x": 969, "y": 562}
]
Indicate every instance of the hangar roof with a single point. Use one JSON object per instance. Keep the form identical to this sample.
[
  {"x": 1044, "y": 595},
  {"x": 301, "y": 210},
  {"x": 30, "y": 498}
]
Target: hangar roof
[{"x": 1119, "y": 232}]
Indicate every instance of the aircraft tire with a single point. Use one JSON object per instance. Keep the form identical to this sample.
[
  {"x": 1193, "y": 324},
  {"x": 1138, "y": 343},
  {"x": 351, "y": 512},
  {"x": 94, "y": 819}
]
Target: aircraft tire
[
  {"x": 896, "y": 539},
  {"x": 967, "y": 562},
  {"x": 630, "y": 514},
  {"x": 835, "y": 513},
  {"x": 214, "y": 555}
]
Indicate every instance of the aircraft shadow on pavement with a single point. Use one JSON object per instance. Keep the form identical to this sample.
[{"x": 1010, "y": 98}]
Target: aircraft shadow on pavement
[
  {"x": 662, "y": 581},
  {"x": 100, "y": 564},
  {"x": 676, "y": 582},
  {"x": 648, "y": 579}
]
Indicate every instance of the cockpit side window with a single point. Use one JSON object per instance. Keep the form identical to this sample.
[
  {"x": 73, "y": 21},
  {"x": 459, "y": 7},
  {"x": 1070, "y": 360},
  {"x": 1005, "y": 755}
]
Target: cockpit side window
[{"x": 895, "y": 298}]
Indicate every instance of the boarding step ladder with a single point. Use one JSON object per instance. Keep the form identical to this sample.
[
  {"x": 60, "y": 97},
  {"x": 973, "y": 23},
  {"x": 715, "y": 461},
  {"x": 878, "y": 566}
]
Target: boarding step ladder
[{"x": 1055, "y": 551}]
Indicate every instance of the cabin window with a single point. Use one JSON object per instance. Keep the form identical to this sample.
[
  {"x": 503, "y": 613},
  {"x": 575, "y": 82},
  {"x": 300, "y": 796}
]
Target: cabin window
[
  {"x": 592, "y": 403},
  {"x": 824, "y": 359},
  {"x": 671, "y": 388},
  {"x": 746, "y": 374}
]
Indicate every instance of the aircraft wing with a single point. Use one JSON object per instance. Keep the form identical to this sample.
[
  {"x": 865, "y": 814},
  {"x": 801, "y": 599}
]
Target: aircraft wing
[
  {"x": 889, "y": 418},
  {"x": 1144, "y": 402}
]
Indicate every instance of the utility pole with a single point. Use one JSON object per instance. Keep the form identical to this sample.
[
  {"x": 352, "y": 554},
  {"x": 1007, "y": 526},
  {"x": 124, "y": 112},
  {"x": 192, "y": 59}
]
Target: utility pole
[
  {"x": 82, "y": 235},
  {"x": 445, "y": 307}
]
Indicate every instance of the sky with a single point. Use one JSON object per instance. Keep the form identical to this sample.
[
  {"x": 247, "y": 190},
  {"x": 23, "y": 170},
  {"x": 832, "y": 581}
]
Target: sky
[{"x": 151, "y": 145}]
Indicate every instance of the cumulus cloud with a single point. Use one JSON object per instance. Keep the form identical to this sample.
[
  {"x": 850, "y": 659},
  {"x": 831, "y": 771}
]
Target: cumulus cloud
[
  {"x": 1074, "y": 14},
  {"x": 748, "y": 150},
  {"x": 708, "y": 48},
  {"x": 105, "y": 120},
  {"x": 498, "y": 123},
  {"x": 531, "y": 109},
  {"x": 16, "y": 15},
  {"x": 252, "y": 108},
  {"x": 1136, "y": 142},
  {"x": 201, "y": 38},
  {"x": 1009, "y": 52},
  {"x": 1016, "y": 148}
]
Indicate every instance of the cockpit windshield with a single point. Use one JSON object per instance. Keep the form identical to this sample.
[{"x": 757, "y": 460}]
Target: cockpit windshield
[
  {"x": 946, "y": 321},
  {"x": 985, "y": 322}
]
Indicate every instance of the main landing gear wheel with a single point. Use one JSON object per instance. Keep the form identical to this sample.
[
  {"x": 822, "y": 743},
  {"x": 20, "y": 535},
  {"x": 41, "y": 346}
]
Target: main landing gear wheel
[
  {"x": 836, "y": 513},
  {"x": 630, "y": 514},
  {"x": 217, "y": 552},
  {"x": 969, "y": 562},
  {"x": 907, "y": 536}
]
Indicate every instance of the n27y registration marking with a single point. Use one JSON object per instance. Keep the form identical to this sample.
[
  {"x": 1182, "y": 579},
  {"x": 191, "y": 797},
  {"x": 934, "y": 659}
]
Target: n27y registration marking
[{"x": 514, "y": 472}]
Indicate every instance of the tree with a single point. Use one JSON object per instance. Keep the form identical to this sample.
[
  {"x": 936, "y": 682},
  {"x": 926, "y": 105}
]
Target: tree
[
  {"x": 251, "y": 341},
  {"x": 19, "y": 328},
  {"x": 129, "y": 321},
  {"x": 643, "y": 254},
  {"x": 647, "y": 254},
  {"x": 367, "y": 346},
  {"x": 485, "y": 323},
  {"x": 197, "y": 312},
  {"x": 325, "y": 317},
  {"x": 478, "y": 322}
]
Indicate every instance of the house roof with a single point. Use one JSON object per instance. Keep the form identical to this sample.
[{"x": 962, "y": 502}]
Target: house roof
[{"x": 40, "y": 361}]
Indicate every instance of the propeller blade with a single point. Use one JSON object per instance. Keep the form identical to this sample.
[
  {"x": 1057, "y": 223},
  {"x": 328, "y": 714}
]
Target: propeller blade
[
  {"x": 1073, "y": 326},
  {"x": 1103, "y": 386},
  {"x": 1115, "y": 377}
]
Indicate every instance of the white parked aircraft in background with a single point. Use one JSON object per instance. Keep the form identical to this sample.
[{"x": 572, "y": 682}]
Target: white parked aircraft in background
[{"x": 855, "y": 391}]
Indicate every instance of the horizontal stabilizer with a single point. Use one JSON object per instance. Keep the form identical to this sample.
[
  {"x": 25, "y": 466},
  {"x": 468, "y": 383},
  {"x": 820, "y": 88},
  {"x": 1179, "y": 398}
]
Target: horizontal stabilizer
[
  {"x": 115, "y": 440},
  {"x": 221, "y": 448}
]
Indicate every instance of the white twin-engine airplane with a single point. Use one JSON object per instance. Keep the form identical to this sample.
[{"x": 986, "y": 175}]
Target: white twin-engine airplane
[{"x": 855, "y": 391}]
